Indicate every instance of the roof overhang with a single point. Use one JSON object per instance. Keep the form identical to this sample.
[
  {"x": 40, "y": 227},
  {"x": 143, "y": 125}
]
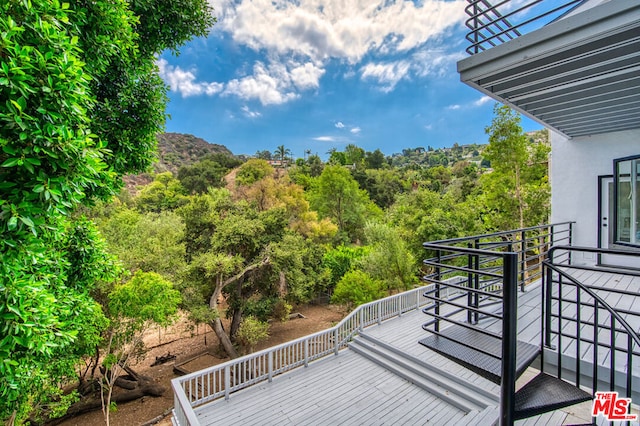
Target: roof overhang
[{"x": 579, "y": 75}]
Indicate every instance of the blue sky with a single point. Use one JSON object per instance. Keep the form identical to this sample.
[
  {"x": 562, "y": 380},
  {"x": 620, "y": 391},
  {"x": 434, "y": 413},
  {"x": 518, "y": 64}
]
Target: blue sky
[{"x": 320, "y": 74}]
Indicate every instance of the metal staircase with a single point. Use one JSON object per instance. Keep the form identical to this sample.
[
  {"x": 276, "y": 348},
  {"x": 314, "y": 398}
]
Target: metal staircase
[{"x": 458, "y": 333}]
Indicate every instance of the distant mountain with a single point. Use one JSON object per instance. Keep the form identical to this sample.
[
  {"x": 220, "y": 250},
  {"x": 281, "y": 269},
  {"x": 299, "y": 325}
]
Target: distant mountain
[{"x": 175, "y": 150}]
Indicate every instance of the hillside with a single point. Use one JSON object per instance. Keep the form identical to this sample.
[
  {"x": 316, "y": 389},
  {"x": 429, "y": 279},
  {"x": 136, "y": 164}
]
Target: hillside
[{"x": 176, "y": 150}]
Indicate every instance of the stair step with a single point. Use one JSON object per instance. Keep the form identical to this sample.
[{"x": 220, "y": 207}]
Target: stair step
[
  {"x": 487, "y": 417},
  {"x": 546, "y": 393},
  {"x": 457, "y": 343},
  {"x": 462, "y": 397},
  {"x": 490, "y": 397}
]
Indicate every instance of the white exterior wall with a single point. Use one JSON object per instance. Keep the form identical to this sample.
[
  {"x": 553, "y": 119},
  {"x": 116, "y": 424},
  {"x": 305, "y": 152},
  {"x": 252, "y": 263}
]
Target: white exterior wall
[{"x": 575, "y": 166}]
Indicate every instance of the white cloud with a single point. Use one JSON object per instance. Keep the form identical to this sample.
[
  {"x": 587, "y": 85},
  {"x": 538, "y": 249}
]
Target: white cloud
[
  {"x": 275, "y": 83},
  {"x": 346, "y": 30},
  {"x": 324, "y": 139},
  {"x": 454, "y": 107},
  {"x": 355, "y": 130},
  {"x": 386, "y": 74},
  {"x": 428, "y": 126},
  {"x": 339, "y": 125},
  {"x": 483, "y": 100},
  {"x": 301, "y": 38},
  {"x": 184, "y": 82},
  {"x": 248, "y": 113}
]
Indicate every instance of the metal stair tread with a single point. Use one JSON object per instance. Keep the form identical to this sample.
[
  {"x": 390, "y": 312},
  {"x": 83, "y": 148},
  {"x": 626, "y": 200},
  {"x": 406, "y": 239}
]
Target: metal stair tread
[
  {"x": 546, "y": 393},
  {"x": 485, "y": 365}
]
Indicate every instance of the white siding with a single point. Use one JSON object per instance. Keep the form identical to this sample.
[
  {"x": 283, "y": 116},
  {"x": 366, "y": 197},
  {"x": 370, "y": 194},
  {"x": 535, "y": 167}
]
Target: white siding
[{"x": 575, "y": 167}]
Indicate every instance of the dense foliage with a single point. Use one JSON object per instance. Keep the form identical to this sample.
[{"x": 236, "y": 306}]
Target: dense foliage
[{"x": 81, "y": 105}]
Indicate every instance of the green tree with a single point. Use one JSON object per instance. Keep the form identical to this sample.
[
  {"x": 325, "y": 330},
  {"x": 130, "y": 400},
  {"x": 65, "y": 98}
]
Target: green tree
[
  {"x": 516, "y": 193},
  {"x": 253, "y": 171},
  {"x": 150, "y": 242},
  {"x": 206, "y": 173},
  {"x": 336, "y": 195},
  {"x": 82, "y": 103},
  {"x": 133, "y": 307},
  {"x": 375, "y": 159},
  {"x": 389, "y": 260},
  {"x": 164, "y": 193}
]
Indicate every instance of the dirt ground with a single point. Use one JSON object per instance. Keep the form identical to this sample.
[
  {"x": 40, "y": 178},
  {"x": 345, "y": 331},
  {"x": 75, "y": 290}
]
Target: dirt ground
[{"x": 183, "y": 342}]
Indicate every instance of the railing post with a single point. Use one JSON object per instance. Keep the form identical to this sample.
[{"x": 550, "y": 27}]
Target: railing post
[
  {"x": 227, "y": 382},
  {"x": 436, "y": 326},
  {"x": 470, "y": 294},
  {"x": 509, "y": 338},
  {"x": 476, "y": 282},
  {"x": 417, "y": 299},
  {"x": 360, "y": 319},
  {"x": 379, "y": 309},
  {"x": 547, "y": 286},
  {"x": 270, "y": 366},
  {"x": 306, "y": 352},
  {"x": 570, "y": 240},
  {"x": 336, "y": 344},
  {"x": 523, "y": 252}
]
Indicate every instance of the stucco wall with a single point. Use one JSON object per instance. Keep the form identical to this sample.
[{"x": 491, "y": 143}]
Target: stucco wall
[{"x": 575, "y": 167}]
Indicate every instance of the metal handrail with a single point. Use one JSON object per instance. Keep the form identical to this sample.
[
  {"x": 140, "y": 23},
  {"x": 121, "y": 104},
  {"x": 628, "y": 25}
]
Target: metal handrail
[
  {"x": 617, "y": 326},
  {"x": 222, "y": 380},
  {"x": 492, "y": 25},
  {"x": 531, "y": 243}
]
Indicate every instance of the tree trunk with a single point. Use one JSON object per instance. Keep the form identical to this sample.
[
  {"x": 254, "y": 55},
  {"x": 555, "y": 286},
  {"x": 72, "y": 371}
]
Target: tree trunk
[
  {"x": 216, "y": 324},
  {"x": 217, "y": 327},
  {"x": 236, "y": 318}
]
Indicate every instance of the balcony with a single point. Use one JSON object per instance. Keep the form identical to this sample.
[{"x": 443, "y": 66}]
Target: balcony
[{"x": 572, "y": 66}]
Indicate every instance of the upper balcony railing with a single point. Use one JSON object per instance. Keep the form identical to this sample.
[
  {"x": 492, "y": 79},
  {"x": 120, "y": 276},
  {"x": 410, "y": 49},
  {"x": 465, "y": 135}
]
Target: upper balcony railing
[{"x": 492, "y": 25}]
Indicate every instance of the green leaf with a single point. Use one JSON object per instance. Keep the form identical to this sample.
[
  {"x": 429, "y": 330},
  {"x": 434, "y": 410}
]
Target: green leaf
[
  {"x": 10, "y": 162},
  {"x": 27, "y": 221},
  {"x": 12, "y": 223}
]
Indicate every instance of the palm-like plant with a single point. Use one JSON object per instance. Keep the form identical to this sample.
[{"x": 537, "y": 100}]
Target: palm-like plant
[{"x": 282, "y": 153}]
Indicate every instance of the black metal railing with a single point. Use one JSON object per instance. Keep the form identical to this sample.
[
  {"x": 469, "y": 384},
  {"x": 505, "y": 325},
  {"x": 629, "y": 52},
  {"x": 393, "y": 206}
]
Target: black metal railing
[
  {"x": 590, "y": 324},
  {"x": 494, "y": 24},
  {"x": 478, "y": 277},
  {"x": 476, "y": 284},
  {"x": 530, "y": 243},
  {"x": 500, "y": 267}
]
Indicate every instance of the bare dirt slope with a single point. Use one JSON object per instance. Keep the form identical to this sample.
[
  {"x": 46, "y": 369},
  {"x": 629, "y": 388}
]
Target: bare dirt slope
[{"x": 183, "y": 342}]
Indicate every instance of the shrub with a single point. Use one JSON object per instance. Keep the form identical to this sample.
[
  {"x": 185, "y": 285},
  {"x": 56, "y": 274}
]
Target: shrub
[{"x": 356, "y": 288}]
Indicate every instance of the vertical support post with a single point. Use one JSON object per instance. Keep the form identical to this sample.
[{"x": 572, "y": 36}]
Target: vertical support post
[
  {"x": 270, "y": 366},
  {"x": 476, "y": 282},
  {"x": 379, "y": 308},
  {"x": 306, "y": 352},
  {"x": 570, "y": 241},
  {"x": 470, "y": 294},
  {"x": 227, "y": 382},
  {"x": 360, "y": 318},
  {"x": 523, "y": 252},
  {"x": 438, "y": 279},
  {"x": 509, "y": 336},
  {"x": 547, "y": 286},
  {"x": 417, "y": 300},
  {"x": 336, "y": 344}
]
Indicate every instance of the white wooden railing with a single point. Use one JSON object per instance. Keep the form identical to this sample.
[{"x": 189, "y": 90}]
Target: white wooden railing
[{"x": 222, "y": 380}]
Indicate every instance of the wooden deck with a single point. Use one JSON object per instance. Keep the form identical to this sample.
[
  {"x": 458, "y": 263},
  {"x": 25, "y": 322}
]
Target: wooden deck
[{"x": 349, "y": 389}]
